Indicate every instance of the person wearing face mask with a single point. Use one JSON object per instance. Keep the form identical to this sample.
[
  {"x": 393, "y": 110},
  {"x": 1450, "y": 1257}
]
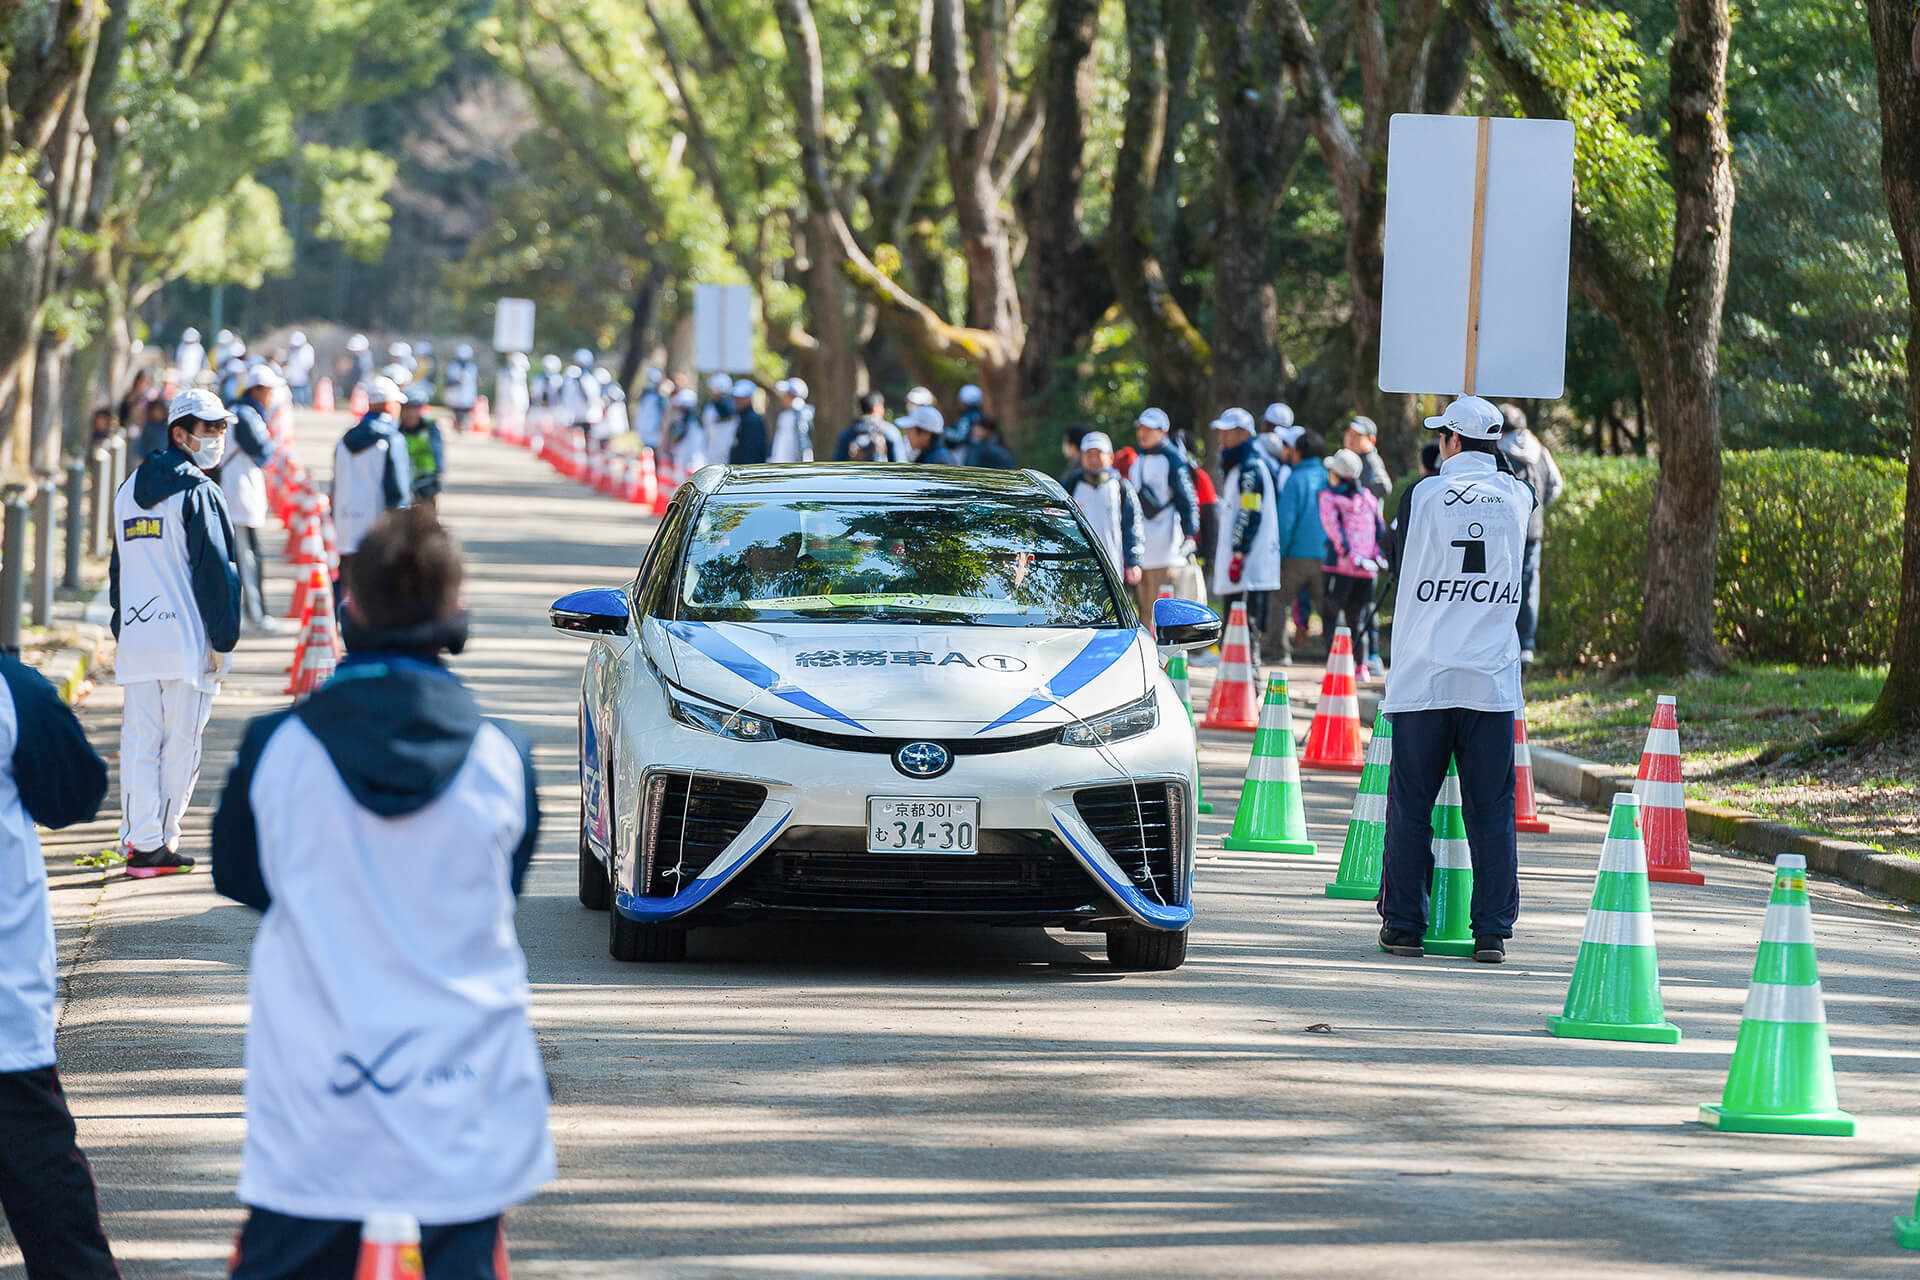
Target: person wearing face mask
[
  {"x": 1110, "y": 504},
  {"x": 175, "y": 587}
]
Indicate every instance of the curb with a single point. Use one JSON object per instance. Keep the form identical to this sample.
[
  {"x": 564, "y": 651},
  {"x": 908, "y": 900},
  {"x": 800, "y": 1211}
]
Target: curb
[{"x": 67, "y": 669}]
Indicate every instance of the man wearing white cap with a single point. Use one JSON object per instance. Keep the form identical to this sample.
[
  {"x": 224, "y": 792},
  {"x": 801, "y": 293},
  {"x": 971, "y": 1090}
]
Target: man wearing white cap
[
  {"x": 175, "y": 588},
  {"x": 650, "y": 408},
  {"x": 462, "y": 385},
  {"x": 793, "y": 425},
  {"x": 960, "y": 430},
  {"x": 717, "y": 419},
  {"x": 300, "y": 369},
  {"x": 1276, "y": 434},
  {"x": 1246, "y": 555},
  {"x": 1455, "y": 684},
  {"x": 250, "y": 446},
  {"x": 1109, "y": 503},
  {"x": 750, "y": 429},
  {"x": 360, "y": 351},
  {"x": 189, "y": 358},
  {"x": 371, "y": 472},
  {"x": 925, "y": 433},
  {"x": 1163, "y": 479}
]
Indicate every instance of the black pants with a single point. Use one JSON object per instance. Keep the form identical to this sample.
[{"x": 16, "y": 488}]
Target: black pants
[
  {"x": 1529, "y": 616},
  {"x": 1256, "y": 602},
  {"x": 1346, "y": 606},
  {"x": 253, "y": 580},
  {"x": 1482, "y": 743},
  {"x": 275, "y": 1246},
  {"x": 46, "y": 1187}
]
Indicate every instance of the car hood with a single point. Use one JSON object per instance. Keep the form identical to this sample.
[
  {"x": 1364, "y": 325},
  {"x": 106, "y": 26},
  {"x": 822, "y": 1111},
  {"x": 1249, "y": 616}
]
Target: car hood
[{"x": 985, "y": 681}]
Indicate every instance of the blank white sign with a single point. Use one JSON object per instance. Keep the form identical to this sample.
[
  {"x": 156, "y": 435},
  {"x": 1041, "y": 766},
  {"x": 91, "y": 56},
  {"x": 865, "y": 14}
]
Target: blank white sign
[
  {"x": 723, "y": 328},
  {"x": 1429, "y": 249},
  {"x": 513, "y": 325}
]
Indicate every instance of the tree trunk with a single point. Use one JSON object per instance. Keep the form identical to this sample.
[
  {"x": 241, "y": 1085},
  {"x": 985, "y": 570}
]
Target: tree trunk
[
  {"x": 1892, "y": 25},
  {"x": 641, "y": 326},
  {"x": 837, "y": 363}
]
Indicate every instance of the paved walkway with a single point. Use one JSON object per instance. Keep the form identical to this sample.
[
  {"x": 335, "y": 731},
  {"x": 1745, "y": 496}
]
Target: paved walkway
[{"x": 969, "y": 1102}]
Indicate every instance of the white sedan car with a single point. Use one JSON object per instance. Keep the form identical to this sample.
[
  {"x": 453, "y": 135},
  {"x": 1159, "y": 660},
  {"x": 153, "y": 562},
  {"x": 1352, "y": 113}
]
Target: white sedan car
[{"x": 882, "y": 692}]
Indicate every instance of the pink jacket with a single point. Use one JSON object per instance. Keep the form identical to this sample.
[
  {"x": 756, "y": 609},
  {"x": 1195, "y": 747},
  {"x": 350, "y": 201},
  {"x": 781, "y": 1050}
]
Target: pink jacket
[{"x": 1352, "y": 524}]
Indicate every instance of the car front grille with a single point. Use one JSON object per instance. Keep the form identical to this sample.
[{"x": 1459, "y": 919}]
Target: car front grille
[
  {"x": 690, "y": 821},
  {"x": 1015, "y": 873},
  {"x": 1140, "y": 825}
]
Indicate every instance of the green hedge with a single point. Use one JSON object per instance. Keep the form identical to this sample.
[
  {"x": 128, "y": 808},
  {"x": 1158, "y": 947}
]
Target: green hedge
[{"x": 1808, "y": 557}]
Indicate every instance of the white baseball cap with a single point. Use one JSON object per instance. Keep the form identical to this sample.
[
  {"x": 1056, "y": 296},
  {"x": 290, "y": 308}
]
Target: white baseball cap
[
  {"x": 1472, "y": 417},
  {"x": 922, "y": 417},
  {"x": 744, "y": 389},
  {"x": 784, "y": 386},
  {"x": 1233, "y": 420},
  {"x": 798, "y": 388},
  {"x": 1345, "y": 462},
  {"x": 1279, "y": 413},
  {"x": 263, "y": 375},
  {"x": 1290, "y": 436},
  {"x": 191, "y": 335},
  {"x": 919, "y": 396},
  {"x": 686, "y": 398},
  {"x": 1096, "y": 440},
  {"x": 384, "y": 391},
  {"x": 298, "y": 339},
  {"x": 463, "y": 352},
  {"x": 358, "y": 342},
  {"x": 720, "y": 384},
  {"x": 653, "y": 377},
  {"x": 1153, "y": 420},
  {"x": 198, "y": 404},
  {"x": 970, "y": 395}
]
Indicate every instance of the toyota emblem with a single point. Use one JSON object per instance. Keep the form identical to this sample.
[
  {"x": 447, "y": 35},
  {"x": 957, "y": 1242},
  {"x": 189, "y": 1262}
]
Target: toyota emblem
[{"x": 923, "y": 760}]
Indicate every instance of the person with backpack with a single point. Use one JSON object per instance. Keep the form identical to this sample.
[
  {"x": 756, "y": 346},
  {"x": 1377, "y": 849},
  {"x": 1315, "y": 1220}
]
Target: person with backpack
[
  {"x": 1350, "y": 517},
  {"x": 1532, "y": 465}
]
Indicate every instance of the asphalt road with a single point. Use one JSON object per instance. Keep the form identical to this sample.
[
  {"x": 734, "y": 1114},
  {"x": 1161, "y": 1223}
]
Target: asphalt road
[{"x": 969, "y": 1102}]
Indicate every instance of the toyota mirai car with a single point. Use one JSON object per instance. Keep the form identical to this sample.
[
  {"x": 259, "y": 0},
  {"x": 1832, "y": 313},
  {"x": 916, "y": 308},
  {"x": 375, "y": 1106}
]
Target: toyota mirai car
[{"x": 878, "y": 693}]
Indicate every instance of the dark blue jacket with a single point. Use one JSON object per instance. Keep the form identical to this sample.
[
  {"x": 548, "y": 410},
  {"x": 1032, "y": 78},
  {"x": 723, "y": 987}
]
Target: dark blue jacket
[
  {"x": 936, "y": 455},
  {"x": 211, "y": 566},
  {"x": 61, "y": 779},
  {"x": 1186, "y": 503},
  {"x": 250, "y": 432},
  {"x": 991, "y": 453},
  {"x": 749, "y": 439}
]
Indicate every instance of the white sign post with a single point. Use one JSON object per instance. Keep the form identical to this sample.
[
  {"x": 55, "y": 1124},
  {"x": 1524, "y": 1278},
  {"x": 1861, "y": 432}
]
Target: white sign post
[
  {"x": 513, "y": 325},
  {"x": 723, "y": 328},
  {"x": 1474, "y": 295}
]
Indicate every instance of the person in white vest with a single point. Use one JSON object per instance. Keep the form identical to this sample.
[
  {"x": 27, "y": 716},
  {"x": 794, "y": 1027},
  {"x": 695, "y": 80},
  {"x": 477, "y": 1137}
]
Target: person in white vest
[
  {"x": 1455, "y": 684},
  {"x": 175, "y": 588},
  {"x": 371, "y": 472},
  {"x": 462, "y": 387},
  {"x": 189, "y": 358},
  {"x": 384, "y": 827},
  {"x": 512, "y": 397},
  {"x": 300, "y": 369},
  {"x": 1246, "y": 553},
  {"x": 1163, "y": 479},
  {"x": 51, "y": 776},
  {"x": 244, "y": 484},
  {"x": 1110, "y": 505},
  {"x": 793, "y": 424},
  {"x": 650, "y": 408},
  {"x": 719, "y": 419}
]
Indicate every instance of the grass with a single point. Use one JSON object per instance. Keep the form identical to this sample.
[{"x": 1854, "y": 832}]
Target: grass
[{"x": 1749, "y": 739}]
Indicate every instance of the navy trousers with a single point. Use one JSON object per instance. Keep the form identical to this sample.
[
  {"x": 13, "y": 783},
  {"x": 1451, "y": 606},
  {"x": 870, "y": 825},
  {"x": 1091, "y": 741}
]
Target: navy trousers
[
  {"x": 1423, "y": 742},
  {"x": 46, "y": 1187},
  {"x": 275, "y": 1246}
]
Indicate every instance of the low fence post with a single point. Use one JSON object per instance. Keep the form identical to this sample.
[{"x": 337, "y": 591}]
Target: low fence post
[
  {"x": 42, "y": 594},
  {"x": 13, "y": 577},
  {"x": 76, "y": 539}
]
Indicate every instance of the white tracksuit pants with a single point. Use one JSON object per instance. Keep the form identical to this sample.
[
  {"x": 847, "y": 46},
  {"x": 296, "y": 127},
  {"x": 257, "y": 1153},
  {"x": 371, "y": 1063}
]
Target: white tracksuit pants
[{"x": 161, "y": 724}]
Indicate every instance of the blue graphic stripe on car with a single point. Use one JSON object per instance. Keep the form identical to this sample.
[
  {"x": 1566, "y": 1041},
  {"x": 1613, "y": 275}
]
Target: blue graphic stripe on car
[
  {"x": 1100, "y": 653},
  {"x": 751, "y": 669}
]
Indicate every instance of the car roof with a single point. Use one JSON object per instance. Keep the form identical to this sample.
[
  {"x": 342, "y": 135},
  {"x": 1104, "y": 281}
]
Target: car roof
[{"x": 882, "y": 480}]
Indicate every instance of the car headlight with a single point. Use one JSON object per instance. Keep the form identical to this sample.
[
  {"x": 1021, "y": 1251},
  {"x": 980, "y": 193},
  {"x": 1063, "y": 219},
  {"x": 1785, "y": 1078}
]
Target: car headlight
[
  {"x": 737, "y": 725},
  {"x": 1129, "y": 721}
]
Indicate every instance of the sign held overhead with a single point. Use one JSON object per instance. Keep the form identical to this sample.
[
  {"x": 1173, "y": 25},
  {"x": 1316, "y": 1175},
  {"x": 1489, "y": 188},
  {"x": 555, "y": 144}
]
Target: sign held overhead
[
  {"x": 513, "y": 325},
  {"x": 723, "y": 328},
  {"x": 1474, "y": 292}
]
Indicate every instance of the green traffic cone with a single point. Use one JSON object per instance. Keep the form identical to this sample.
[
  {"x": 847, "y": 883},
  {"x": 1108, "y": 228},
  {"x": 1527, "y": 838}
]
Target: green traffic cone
[
  {"x": 1177, "y": 672},
  {"x": 1272, "y": 817},
  {"x": 1359, "y": 874},
  {"x": 1615, "y": 992},
  {"x": 1781, "y": 1079},
  {"x": 1450, "y": 914},
  {"x": 1906, "y": 1231}
]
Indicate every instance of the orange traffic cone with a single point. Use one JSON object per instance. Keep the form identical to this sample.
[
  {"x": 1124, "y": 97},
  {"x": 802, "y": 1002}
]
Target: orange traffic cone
[
  {"x": 1333, "y": 742},
  {"x": 304, "y": 590},
  {"x": 323, "y": 518},
  {"x": 390, "y": 1249},
  {"x": 357, "y": 402},
  {"x": 323, "y": 396},
  {"x": 319, "y": 649},
  {"x": 1526, "y": 813},
  {"x": 1663, "y": 800},
  {"x": 481, "y": 419},
  {"x": 298, "y": 513},
  {"x": 1235, "y": 700}
]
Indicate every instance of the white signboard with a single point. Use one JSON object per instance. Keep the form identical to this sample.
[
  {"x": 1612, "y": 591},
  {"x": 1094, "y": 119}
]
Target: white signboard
[
  {"x": 1483, "y": 314},
  {"x": 723, "y": 328},
  {"x": 513, "y": 325}
]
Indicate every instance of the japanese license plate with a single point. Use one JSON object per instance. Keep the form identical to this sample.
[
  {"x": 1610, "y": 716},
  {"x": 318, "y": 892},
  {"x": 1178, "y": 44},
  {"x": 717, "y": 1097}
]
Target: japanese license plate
[{"x": 915, "y": 824}]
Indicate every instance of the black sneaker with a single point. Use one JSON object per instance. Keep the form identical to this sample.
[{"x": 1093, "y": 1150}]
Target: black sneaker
[
  {"x": 160, "y": 862},
  {"x": 1489, "y": 950},
  {"x": 1396, "y": 943}
]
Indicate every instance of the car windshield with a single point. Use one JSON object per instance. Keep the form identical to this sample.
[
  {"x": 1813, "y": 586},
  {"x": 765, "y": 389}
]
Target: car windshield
[{"x": 978, "y": 563}]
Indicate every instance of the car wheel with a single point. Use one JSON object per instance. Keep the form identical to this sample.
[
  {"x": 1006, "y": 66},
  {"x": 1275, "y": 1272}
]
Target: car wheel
[
  {"x": 596, "y": 887},
  {"x": 631, "y": 941},
  {"x": 1146, "y": 949}
]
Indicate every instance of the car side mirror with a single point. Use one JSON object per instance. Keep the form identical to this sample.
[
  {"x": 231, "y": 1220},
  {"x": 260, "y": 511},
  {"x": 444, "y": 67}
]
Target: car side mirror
[
  {"x": 1182, "y": 624},
  {"x": 600, "y": 611}
]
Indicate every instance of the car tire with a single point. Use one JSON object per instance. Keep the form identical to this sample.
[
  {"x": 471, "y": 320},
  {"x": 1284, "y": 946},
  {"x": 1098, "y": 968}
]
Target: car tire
[
  {"x": 596, "y": 887},
  {"x": 631, "y": 941},
  {"x": 1146, "y": 950}
]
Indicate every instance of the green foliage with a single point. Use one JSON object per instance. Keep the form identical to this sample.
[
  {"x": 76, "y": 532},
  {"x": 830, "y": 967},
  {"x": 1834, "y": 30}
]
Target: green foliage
[
  {"x": 347, "y": 187},
  {"x": 237, "y": 240},
  {"x": 23, "y": 201},
  {"x": 1808, "y": 557}
]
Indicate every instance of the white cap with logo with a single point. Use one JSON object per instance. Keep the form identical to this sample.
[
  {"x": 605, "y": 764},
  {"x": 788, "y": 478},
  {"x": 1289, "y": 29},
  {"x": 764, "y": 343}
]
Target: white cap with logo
[
  {"x": 720, "y": 384},
  {"x": 1280, "y": 414},
  {"x": 384, "y": 391},
  {"x": 1472, "y": 417},
  {"x": 263, "y": 375},
  {"x": 1152, "y": 420},
  {"x": 744, "y": 389},
  {"x": 970, "y": 395},
  {"x": 1233, "y": 420},
  {"x": 1096, "y": 440},
  {"x": 199, "y": 404}
]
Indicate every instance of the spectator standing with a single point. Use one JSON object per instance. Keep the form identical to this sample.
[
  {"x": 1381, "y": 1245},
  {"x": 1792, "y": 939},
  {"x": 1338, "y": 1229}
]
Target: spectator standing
[
  {"x": 720, "y": 419},
  {"x": 384, "y": 828},
  {"x": 750, "y": 429},
  {"x": 1303, "y": 543},
  {"x": 872, "y": 421},
  {"x": 925, "y": 433},
  {"x": 1534, "y": 466},
  {"x": 793, "y": 424},
  {"x": 1110, "y": 505},
  {"x": 175, "y": 588},
  {"x": 370, "y": 469},
  {"x": 1163, "y": 481},
  {"x": 51, "y": 776},
  {"x": 1350, "y": 517},
  {"x": 959, "y": 432},
  {"x": 426, "y": 450},
  {"x": 1362, "y": 439},
  {"x": 244, "y": 484},
  {"x": 987, "y": 447},
  {"x": 360, "y": 354},
  {"x": 153, "y": 429},
  {"x": 1246, "y": 558},
  {"x": 462, "y": 385},
  {"x": 650, "y": 408},
  {"x": 299, "y": 368},
  {"x": 1277, "y": 433},
  {"x": 133, "y": 406},
  {"x": 189, "y": 358}
]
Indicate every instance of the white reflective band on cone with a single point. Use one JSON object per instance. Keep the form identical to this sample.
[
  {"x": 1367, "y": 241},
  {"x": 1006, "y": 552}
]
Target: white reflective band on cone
[
  {"x": 1452, "y": 855},
  {"x": 1623, "y": 855},
  {"x": 1787, "y": 924},
  {"x": 1775, "y": 1002},
  {"x": 1663, "y": 742},
  {"x": 1619, "y": 928},
  {"x": 1369, "y": 808},
  {"x": 1344, "y": 705},
  {"x": 1661, "y": 795},
  {"x": 1274, "y": 769},
  {"x": 1522, "y": 758}
]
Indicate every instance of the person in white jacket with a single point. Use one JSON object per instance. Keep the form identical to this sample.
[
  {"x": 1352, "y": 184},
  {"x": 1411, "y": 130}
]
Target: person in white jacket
[
  {"x": 300, "y": 358},
  {"x": 175, "y": 588},
  {"x": 370, "y": 469},
  {"x": 793, "y": 424}
]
